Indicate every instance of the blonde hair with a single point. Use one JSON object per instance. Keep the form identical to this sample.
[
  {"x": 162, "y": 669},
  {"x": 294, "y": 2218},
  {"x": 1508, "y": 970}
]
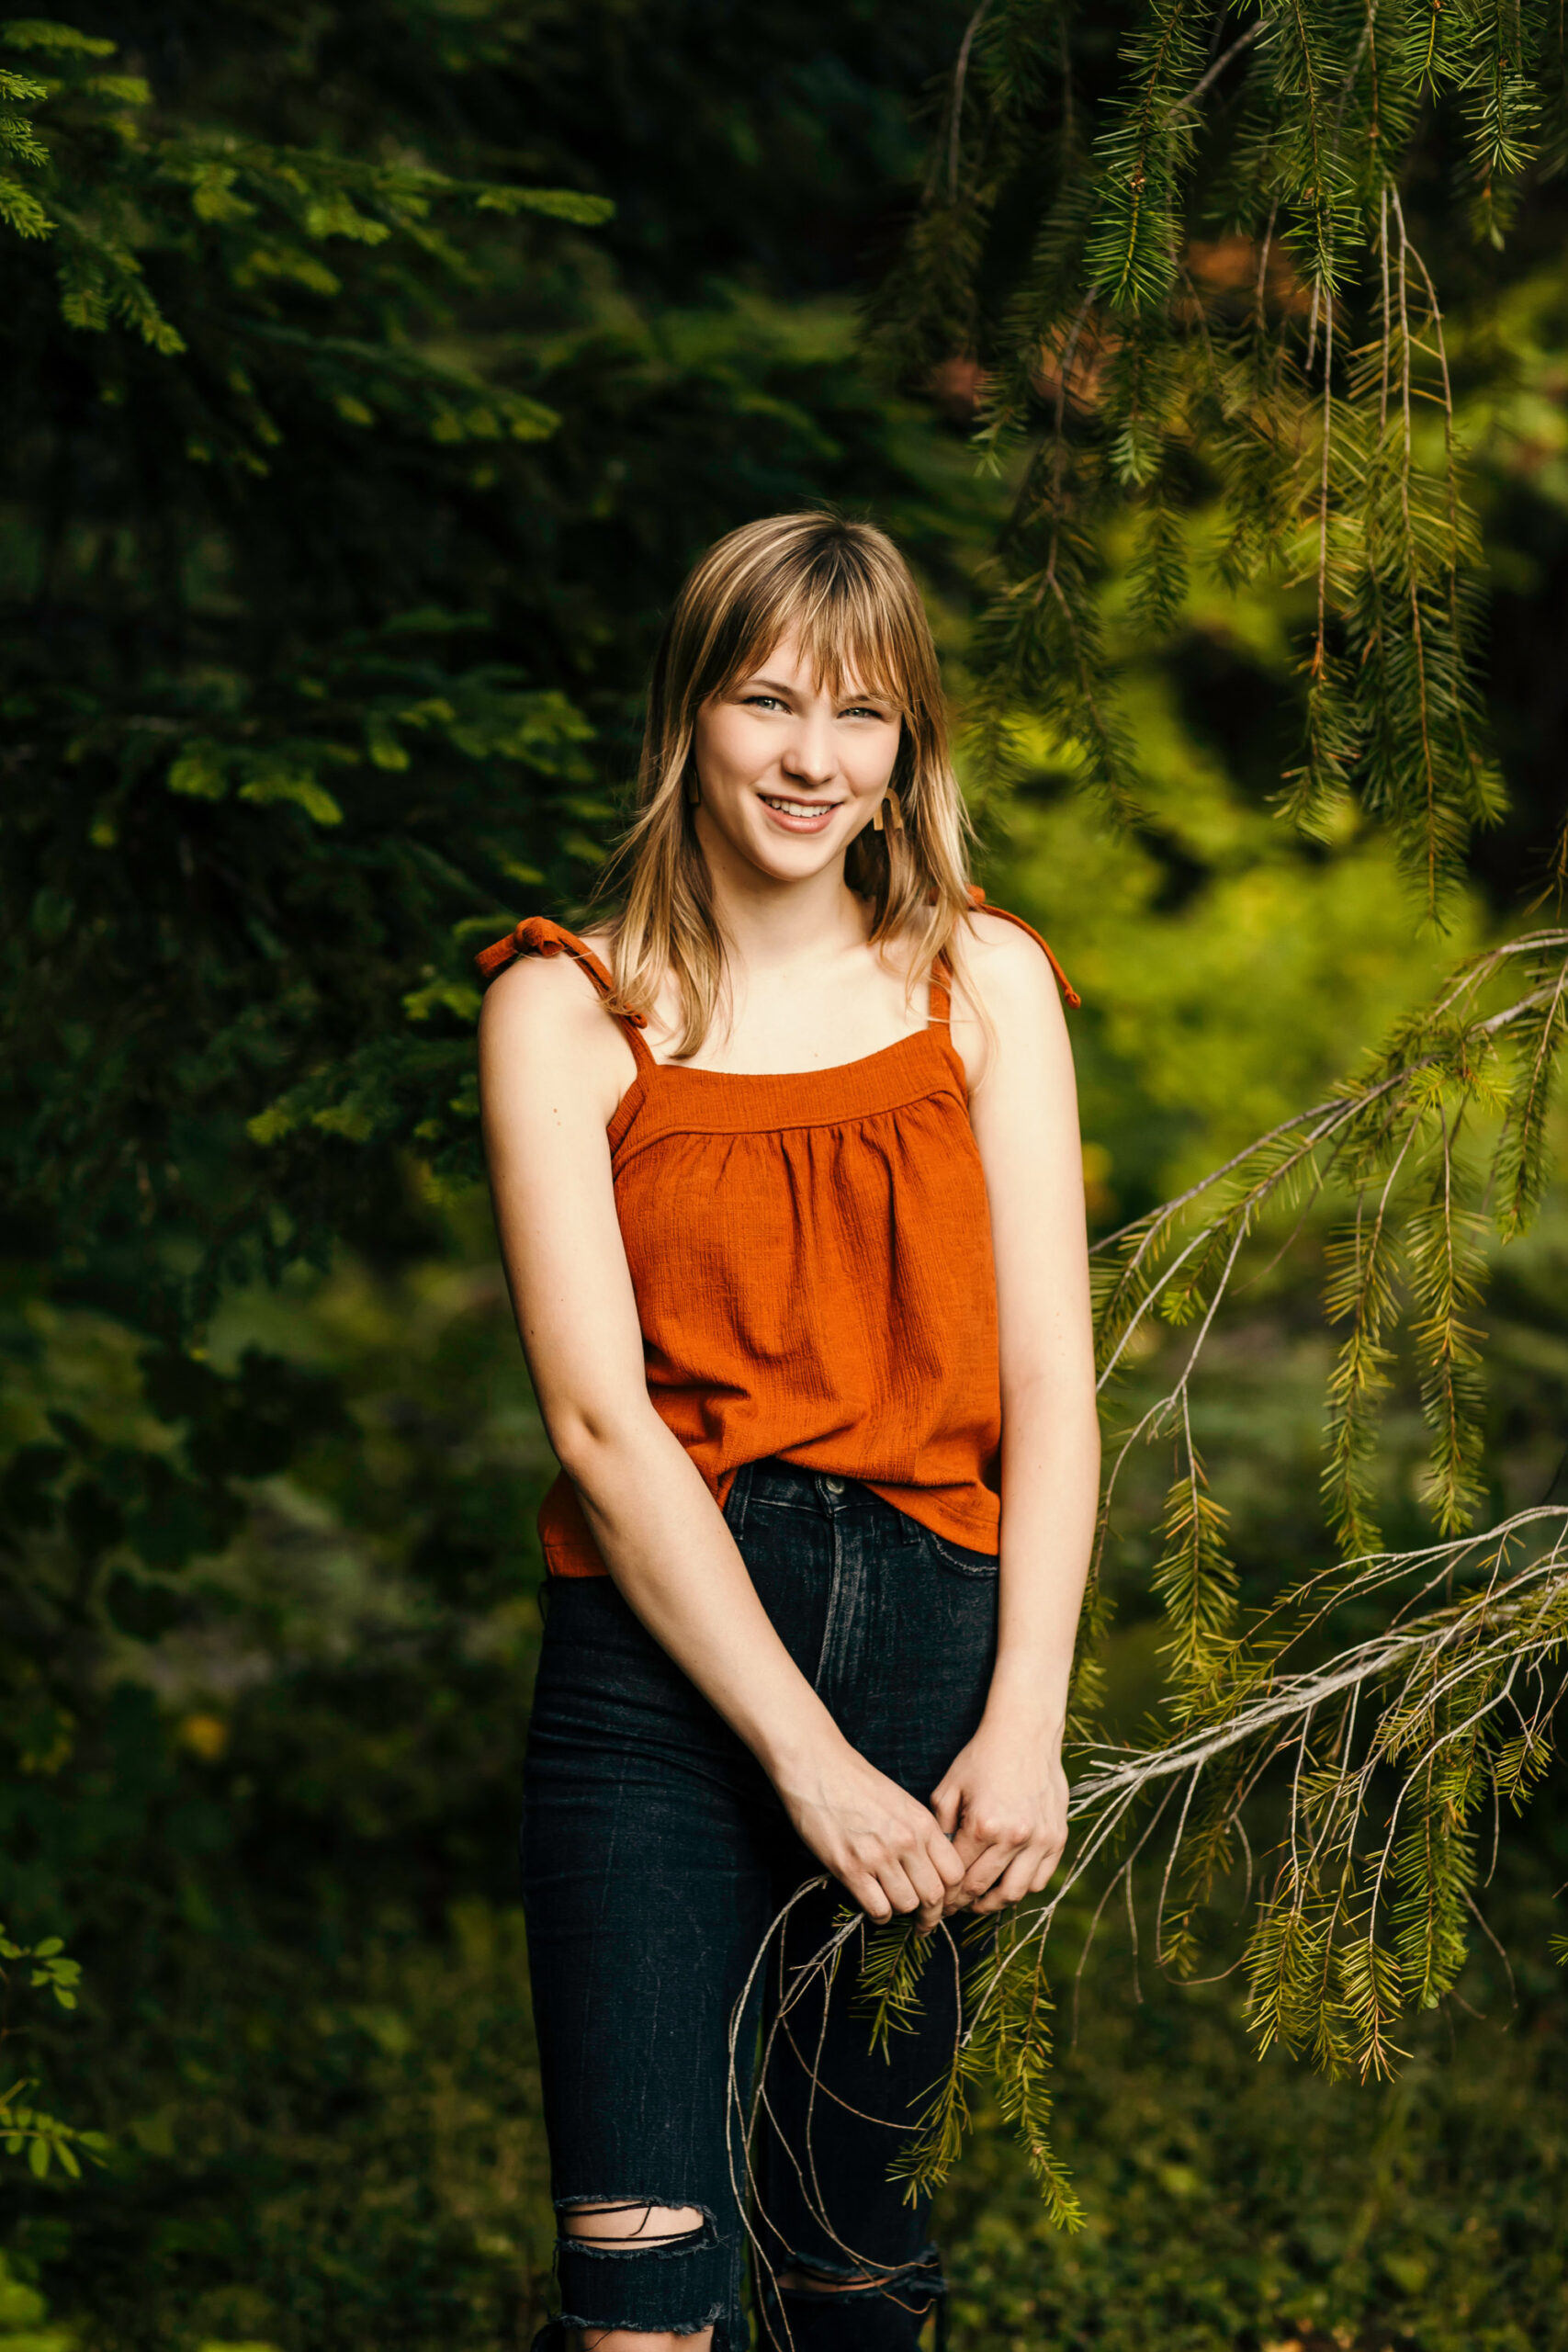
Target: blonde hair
[{"x": 843, "y": 593}]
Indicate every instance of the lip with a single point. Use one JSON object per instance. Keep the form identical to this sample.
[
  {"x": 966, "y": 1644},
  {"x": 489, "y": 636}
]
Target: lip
[{"x": 815, "y": 820}]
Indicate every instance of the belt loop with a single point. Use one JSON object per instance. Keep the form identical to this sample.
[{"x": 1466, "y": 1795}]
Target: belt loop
[{"x": 739, "y": 1495}]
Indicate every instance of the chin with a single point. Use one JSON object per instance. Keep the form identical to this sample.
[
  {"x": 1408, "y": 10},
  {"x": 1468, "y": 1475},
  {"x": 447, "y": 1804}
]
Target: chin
[{"x": 797, "y": 860}]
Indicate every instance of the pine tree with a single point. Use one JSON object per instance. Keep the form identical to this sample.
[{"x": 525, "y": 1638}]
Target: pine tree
[{"x": 1201, "y": 279}]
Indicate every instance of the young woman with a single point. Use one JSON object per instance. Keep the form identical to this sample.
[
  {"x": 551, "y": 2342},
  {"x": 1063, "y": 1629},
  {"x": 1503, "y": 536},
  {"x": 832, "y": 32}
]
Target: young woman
[{"x": 788, "y": 1181}]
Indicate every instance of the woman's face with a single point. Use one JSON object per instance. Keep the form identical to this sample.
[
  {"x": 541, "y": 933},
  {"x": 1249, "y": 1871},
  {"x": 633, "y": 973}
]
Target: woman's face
[{"x": 789, "y": 773}]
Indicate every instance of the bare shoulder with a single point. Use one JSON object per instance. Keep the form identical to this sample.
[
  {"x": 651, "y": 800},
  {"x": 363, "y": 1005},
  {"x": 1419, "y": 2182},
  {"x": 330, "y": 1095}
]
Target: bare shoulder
[
  {"x": 1009, "y": 973},
  {"x": 543, "y": 1023},
  {"x": 540, "y": 995}
]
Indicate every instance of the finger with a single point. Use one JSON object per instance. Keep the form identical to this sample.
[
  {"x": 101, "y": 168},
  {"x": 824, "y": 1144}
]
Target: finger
[
  {"x": 947, "y": 1804},
  {"x": 1014, "y": 1881},
  {"x": 928, "y": 1882},
  {"x": 896, "y": 1885},
  {"x": 1045, "y": 1870},
  {"x": 969, "y": 1844},
  {"x": 987, "y": 1869},
  {"x": 982, "y": 1863},
  {"x": 947, "y": 1862},
  {"x": 869, "y": 1893}
]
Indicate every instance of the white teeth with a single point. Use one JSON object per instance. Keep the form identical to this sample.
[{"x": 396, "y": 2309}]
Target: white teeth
[{"x": 800, "y": 808}]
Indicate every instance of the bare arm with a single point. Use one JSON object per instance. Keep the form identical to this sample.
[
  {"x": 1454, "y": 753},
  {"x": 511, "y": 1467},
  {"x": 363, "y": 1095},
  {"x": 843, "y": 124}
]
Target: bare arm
[
  {"x": 1004, "y": 1799},
  {"x": 552, "y": 1065}
]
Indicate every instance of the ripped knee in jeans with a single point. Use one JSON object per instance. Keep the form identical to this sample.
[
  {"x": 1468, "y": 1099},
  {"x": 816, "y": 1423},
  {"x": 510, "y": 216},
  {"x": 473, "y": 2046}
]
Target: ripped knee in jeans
[
  {"x": 641, "y": 2266},
  {"x": 635, "y": 2227},
  {"x": 834, "y": 2304}
]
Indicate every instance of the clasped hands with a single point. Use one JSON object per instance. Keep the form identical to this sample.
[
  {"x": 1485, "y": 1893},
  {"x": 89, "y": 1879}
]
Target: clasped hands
[{"x": 994, "y": 1831}]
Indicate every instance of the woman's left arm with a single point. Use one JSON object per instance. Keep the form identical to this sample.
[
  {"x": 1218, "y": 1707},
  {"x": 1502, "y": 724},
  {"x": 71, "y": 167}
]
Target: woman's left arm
[{"x": 1003, "y": 1800}]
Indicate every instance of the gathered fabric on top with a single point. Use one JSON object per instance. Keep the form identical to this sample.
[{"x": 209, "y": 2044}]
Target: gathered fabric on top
[{"x": 811, "y": 1259}]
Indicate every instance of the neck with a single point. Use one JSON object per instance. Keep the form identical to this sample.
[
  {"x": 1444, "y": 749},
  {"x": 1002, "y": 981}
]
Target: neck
[{"x": 770, "y": 926}]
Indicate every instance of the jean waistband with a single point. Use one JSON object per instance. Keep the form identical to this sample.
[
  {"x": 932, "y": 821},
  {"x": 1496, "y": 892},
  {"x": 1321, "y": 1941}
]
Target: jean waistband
[{"x": 824, "y": 1493}]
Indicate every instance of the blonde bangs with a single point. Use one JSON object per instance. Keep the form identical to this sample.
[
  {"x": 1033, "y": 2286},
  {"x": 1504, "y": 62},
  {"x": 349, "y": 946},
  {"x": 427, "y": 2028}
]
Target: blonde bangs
[
  {"x": 843, "y": 594},
  {"x": 845, "y": 636}
]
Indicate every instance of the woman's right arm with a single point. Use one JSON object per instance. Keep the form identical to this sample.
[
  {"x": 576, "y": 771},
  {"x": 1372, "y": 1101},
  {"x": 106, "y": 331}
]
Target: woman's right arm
[{"x": 552, "y": 1067}]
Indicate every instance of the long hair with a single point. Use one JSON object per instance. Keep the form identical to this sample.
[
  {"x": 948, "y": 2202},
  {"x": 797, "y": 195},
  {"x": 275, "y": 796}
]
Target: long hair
[{"x": 844, "y": 594}]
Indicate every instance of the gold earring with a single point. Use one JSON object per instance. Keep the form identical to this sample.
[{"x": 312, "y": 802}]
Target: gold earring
[{"x": 889, "y": 800}]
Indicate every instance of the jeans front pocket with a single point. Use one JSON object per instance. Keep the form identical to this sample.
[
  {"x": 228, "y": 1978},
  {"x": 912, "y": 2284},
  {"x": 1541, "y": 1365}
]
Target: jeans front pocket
[{"x": 959, "y": 1558}]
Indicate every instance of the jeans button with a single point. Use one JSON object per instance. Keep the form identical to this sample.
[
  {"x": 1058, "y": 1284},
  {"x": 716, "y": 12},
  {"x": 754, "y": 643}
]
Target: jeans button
[{"x": 832, "y": 1485}]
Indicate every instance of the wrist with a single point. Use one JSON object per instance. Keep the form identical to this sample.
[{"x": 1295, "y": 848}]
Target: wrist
[
  {"x": 1024, "y": 1703},
  {"x": 796, "y": 1753}
]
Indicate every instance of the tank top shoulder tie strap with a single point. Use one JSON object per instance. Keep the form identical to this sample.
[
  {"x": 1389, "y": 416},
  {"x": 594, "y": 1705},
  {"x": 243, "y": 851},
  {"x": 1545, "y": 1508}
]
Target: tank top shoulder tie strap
[
  {"x": 940, "y": 1013},
  {"x": 1069, "y": 994},
  {"x": 537, "y": 936}
]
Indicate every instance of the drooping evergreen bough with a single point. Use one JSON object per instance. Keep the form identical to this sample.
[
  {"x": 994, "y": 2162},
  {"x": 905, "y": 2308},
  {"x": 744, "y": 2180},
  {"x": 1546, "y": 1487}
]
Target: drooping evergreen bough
[{"x": 1190, "y": 262}]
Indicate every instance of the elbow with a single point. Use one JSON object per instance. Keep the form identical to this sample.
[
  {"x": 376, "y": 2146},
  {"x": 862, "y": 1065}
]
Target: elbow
[{"x": 590, "y": 1438}]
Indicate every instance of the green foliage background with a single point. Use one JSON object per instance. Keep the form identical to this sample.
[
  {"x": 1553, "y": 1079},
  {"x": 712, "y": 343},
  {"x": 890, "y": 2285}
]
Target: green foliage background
[{"x": 382, "y": 367}]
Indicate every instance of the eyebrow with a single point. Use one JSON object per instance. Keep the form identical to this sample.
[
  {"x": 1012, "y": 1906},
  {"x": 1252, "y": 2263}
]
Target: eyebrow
[{"x": 848, "y": 693}]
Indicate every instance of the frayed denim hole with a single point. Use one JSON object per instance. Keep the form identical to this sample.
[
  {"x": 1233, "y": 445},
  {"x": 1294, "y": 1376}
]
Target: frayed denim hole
[
  {"x": 820, "y": 2282},
  {"x": 635, "y": 2244},
  {"x": 604, "y": 2201},
  {"x": 570, "y": 2320}
]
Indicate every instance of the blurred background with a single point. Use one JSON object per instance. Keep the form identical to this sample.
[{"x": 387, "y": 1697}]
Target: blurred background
[{"x": 325, "y": 634}]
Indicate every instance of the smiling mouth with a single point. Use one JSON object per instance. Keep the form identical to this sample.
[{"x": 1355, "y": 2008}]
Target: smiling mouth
[{"x": 783, "y": 806}]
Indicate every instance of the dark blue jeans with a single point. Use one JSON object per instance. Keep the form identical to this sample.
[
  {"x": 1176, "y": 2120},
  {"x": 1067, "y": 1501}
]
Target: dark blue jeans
[{"x": 656, "y": 1854}]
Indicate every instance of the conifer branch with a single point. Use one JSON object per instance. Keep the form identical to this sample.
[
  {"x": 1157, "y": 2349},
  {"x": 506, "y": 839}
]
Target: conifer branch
[
  {"x": 1218, "y": 232},
  {"x": 1342, "y": 1773}
]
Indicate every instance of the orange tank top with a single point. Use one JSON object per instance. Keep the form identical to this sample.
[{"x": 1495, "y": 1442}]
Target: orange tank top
[{"x": 811, "y": 1259}]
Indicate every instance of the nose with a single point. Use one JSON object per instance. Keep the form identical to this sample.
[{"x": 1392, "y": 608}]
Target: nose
[{"x": 810, "y": 756}]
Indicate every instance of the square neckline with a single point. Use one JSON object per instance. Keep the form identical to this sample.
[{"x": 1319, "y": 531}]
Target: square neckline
[
  {"x": 823, "y": 1069},
  {"x": 775, "y": 1077},
  {"x": 937, "y": 986}
]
